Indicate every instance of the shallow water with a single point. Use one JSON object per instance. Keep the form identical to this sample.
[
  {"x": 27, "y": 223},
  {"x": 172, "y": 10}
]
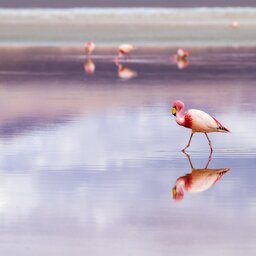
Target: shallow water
[{"x": 88, "y": 161}]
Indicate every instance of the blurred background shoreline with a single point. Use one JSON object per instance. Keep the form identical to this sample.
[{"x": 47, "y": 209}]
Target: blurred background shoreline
[{"x": 147, "y": 27}]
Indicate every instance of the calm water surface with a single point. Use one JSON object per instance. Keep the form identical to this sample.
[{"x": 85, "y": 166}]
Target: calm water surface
[{"x": 88, "y": 161}]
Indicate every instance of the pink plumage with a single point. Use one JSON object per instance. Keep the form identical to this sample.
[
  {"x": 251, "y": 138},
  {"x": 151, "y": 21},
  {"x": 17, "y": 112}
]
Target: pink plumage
[
  {"x": 197, "y": 121},
  {"x": 89, "y": 48},
  {"x": 183, "y": 54},
  {"x": 124, "y": 49}
]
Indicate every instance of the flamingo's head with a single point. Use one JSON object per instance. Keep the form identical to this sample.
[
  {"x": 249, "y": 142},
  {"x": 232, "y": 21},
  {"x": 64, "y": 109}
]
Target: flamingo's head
[
  {"x": 177, "y": 195},
  {"x": 177, "y": 106}
]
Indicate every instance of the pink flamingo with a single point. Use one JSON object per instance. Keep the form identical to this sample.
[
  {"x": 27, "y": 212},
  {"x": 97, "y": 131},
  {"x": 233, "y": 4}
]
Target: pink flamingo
[
  {"x": 181, "y": 58},
  {"x": 235, "y": 24},
  {"x": 182, "y": 54},
  {"x": 198, "y": 180},
  {"x": 197, "y": 120},
  {"x": 125, "y": 49},
  {"x": 89, "y": 48}
]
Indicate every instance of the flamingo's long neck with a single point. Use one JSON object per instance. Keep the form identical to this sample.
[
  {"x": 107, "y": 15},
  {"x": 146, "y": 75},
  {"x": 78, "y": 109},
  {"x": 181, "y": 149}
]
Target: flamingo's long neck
[
  {"x": 180, "y": 184},
  {"x": 180, "y": 117}
]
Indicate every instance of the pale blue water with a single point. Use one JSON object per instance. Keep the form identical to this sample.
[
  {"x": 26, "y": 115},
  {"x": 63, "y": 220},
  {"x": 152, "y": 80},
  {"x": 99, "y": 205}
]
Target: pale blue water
[{"x": 88, "y": 163}]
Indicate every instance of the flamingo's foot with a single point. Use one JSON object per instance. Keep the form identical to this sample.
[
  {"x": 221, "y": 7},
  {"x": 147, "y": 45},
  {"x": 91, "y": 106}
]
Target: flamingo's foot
[{"x": 184, "y": 149}]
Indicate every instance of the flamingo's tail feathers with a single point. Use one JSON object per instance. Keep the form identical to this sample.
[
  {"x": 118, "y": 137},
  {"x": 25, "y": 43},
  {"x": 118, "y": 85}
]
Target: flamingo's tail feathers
[
  {"x": 223, "y": 129},
  {"x": 220, "y": 127},
  {"x": 223, "y": 171}
]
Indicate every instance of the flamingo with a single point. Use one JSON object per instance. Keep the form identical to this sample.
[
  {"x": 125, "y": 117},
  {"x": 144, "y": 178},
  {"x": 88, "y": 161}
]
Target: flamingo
[
  {"x": 235, "y": 24},
  {"x": 197, "y": 121},
  {"x": 182, "y": 54},
  {"x": 89, "y": 48},
  {"x": 197, "y": 181},
  {"x": 125, "y": 49},
  {"x": 181, "y": 58}
]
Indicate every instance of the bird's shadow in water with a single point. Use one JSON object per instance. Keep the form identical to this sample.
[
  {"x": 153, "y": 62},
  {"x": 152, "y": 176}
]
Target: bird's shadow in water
[{"x": 198, "y": 180}]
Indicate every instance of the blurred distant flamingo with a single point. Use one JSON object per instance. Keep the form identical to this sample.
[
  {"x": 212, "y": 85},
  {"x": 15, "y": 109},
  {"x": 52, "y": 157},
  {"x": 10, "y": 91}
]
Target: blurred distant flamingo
[
  {"x": 125, "y": 49},
  {"x": 89, "y": 48},
  {"x": 198, "y": 180},
  {"x": 89, "y": 66},
  {"x": 182, "y": 54},
  {"x": 197, "y": 120},
  {"x": 181, "y": 58},
  {"x": 235, "y": 24}
]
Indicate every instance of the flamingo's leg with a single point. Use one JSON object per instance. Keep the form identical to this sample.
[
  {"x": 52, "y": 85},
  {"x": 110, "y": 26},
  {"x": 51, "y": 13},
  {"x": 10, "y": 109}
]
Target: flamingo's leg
[
  {"x": 209, "y": 160},
  {"x": 188, "y": 142},
  {"x": 189, "y": 159},
  {"x": 210, "y": 143}
]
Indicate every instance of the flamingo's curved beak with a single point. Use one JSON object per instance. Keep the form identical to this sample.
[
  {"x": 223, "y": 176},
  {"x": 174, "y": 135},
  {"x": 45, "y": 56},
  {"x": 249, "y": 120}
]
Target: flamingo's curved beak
[
  {"x": 174, "y": 192},
  {"x": 174, "y": 110}
]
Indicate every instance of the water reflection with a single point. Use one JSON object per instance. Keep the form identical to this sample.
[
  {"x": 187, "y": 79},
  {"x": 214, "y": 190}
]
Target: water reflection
[
  {"x": 182, "y": 63},
  {"x": 124, "y": 72},
  {"x": 89, "y": 66},
  {"x": 198, "y": 180}
]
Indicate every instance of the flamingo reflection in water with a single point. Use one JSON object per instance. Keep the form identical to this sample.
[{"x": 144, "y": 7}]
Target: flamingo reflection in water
[
  {"x": 89, "y": 66},
  {"x": 198, "y": 180},
  {"x": 124, "y": 72},
  {"x": 182, "y": 64}
]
